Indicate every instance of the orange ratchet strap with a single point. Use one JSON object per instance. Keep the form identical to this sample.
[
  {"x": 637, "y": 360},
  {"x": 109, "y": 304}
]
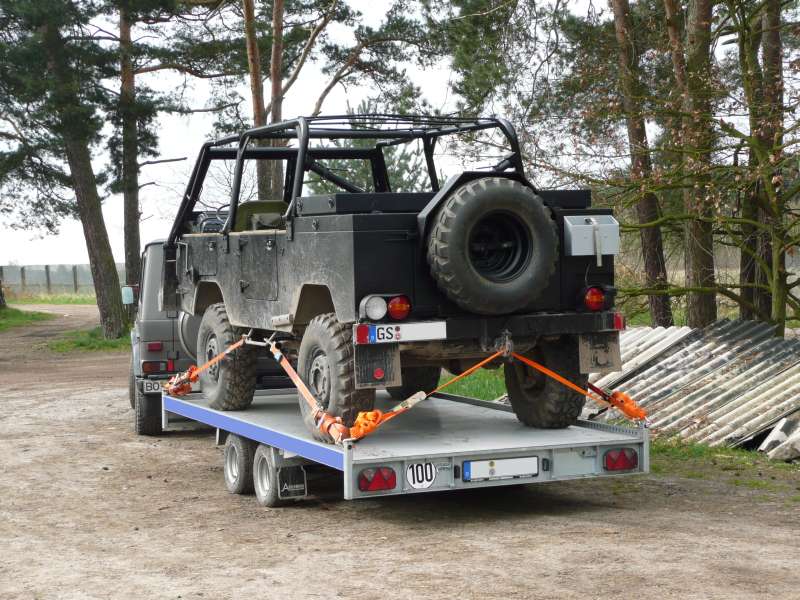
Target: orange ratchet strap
[
  {"x": 619, "y": 400},
  {"x": 181, "y": 384}
]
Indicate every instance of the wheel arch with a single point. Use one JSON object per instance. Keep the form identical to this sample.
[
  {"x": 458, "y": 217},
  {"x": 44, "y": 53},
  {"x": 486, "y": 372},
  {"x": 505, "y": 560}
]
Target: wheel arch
[
  {"x": 312, "y": 300},
  {"x": 206, "y": 293}
]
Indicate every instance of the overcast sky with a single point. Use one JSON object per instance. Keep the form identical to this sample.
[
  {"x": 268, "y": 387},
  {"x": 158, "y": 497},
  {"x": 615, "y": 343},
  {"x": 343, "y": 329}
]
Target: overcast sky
[{"x": 182, "y": 136}]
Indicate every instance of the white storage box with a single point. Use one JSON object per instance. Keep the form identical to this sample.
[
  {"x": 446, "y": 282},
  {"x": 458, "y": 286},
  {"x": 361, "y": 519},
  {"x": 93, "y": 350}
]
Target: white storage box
[{"x": 591, "y": 235}]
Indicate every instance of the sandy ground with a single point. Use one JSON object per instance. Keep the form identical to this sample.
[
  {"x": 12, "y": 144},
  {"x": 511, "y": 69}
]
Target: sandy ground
[{"x": 89, "y": 510}]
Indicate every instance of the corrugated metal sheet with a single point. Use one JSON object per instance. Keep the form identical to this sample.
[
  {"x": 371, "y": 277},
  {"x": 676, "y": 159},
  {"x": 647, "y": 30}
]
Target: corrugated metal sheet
[{"x": 722, "y": 384}]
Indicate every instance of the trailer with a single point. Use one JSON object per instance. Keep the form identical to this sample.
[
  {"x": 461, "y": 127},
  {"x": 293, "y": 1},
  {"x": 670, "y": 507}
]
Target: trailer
[{"x": 447, "y": 442}]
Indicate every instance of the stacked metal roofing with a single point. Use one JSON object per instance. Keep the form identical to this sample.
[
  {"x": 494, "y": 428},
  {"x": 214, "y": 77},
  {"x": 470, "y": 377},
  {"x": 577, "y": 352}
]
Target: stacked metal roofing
[{"x": 721, "y": 385}]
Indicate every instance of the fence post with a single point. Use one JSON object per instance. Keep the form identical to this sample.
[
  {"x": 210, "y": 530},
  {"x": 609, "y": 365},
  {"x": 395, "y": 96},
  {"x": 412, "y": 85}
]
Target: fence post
[
  {"x": 47, "y": 279},
  {"x": 75, "y": 278},
  {"x": 22, "y": 280}
]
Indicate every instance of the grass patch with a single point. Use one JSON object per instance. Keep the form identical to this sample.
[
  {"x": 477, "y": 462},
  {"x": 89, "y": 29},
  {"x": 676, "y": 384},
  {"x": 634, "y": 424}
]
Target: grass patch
[
  {"x": 51, "y": 299},
  {"x": 13, "y": 317},
  {"x": 484, "y": 384},
  {"x": 90, "y": 340}
]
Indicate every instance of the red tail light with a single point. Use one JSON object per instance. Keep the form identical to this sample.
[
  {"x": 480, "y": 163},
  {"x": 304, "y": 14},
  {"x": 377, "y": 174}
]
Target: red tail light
[
  {"x": 155, "y": 346},
  {"x": 380, "y": 478},
  {"x": 594, "y": 298},
  {"x": 399, "y": 307},
  {"x": 619, "y": 321},
  {"x": 620, "y": 459},
  {"x": 170, "y": 365},
  {"x": 153, "y": 366}
]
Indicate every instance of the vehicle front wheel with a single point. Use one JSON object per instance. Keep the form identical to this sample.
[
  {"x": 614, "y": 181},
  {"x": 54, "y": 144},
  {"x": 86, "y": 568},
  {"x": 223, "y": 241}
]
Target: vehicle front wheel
[
  {"x": 539, "y": 400},
  {"x": 230, "y": 383},
  {"x": 326, "y": 365}
]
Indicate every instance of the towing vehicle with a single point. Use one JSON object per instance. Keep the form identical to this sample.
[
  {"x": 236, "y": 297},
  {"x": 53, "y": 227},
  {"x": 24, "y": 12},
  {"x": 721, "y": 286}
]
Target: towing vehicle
[{"x": 374, "y": 287}]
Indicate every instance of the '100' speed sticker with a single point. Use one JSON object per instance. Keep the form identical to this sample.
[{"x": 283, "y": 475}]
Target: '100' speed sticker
[{"x": 421, "y": 475}]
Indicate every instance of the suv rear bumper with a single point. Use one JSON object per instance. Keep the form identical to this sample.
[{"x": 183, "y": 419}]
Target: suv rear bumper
[{"x": 486, "y": 329}]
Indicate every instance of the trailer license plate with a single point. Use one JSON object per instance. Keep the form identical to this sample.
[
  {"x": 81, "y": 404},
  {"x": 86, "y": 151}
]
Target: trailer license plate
[
  {"x": 366, "y": 333},
  {"x": 151, "y": 387},
  {"x": 504, "y": 468}
]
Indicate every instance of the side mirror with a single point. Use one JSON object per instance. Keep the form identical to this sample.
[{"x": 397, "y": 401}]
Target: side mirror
[{"x": 130, "y": 294}]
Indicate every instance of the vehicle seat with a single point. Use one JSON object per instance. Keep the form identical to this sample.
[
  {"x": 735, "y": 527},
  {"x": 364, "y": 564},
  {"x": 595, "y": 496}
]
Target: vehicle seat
[{"x": 255, "y": 215}]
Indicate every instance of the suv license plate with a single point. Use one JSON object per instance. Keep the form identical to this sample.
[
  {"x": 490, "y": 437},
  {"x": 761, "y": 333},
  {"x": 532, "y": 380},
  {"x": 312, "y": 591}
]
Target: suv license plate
[
  {"x": 407, "y": 332},
  {"x": 151, "y": 387}
]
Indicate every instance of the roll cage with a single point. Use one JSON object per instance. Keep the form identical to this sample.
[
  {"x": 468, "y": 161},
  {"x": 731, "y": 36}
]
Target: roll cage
[{"x": 385, "y": 129}]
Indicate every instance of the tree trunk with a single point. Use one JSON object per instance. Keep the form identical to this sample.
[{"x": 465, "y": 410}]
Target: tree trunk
[
  {"x": 773, "y": 249},
  {"x": 647, "y": 208},
  {"x": 276, "y": 83},
  {"x": 256, "y": 93},
  {"x": 84, "y": 184},
  {"x": 130, "y": 151},
  {"x": 701, "y": 300}
]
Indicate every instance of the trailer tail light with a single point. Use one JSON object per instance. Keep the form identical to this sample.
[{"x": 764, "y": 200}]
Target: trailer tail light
[
  {"x": 594, "y": 298},
  {"x": 379, "y": 478},
  {"x": 620, "y": 459},
  {"x": 619, "y": 321},
  {"x": 399, "y": 307},
  {"x": 170, "y": 365},
  {"x": 153, "y": 366},
  {"x": 154, "y": 346}
]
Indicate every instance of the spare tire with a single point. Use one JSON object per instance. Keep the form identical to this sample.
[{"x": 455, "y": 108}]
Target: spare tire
[{"x": 492, "y": 246}]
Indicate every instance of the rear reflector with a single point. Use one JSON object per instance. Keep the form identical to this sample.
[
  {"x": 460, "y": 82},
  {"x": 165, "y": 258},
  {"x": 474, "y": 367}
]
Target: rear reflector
[
  {"x": 362, "y": 334},
  {"x": 380, "y": 478},
  {"x": 619, "y": 321},
  {"x": 154, "y": 346},
  {"x": 620, "y": 459}
]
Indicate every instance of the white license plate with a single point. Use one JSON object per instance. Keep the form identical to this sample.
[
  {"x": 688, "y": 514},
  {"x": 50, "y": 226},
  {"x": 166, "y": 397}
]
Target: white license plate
[
  {"x": 365, "y": 333},
  {"x": 504, "y": 468},
  {"x": 151, "y": 387}
]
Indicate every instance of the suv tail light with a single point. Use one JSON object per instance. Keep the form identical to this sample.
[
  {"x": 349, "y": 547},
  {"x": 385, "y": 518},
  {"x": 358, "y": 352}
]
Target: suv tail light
[
  {"x": 153, "y": 366},
  {"x": 620, "y": 459},
  {"x": 619, "y": 321},
  {"x": 399, "y": 307},
  {"x": 594, "y": 298},
  {"x": 379, "y": 478}
]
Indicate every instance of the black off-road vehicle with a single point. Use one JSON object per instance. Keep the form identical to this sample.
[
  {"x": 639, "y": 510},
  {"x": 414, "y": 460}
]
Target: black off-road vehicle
[{"x": 370, "y": 287}]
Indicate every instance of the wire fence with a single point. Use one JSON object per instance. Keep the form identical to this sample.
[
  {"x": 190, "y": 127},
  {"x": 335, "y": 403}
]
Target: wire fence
[{"x": 50, "y": 279}]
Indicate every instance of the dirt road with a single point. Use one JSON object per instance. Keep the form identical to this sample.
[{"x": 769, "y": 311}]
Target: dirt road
[{"x": 88, "y": 510}]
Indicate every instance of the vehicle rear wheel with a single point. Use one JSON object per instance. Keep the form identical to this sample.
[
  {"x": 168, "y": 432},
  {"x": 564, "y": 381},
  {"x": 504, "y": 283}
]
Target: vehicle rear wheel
[
  {"x": 132, "y": 387},
  {"x": 237, "y": 466},
  {"x": 325, "y": 363},
  {"x": 147, "y": 414},
  {"x": 231, "y": 383},
  {"x": 415, "y": 379},
  {"x": 265, "y": 478},
  {"x": 539, "y": 400},
  {"x": 493, "y": 246}
]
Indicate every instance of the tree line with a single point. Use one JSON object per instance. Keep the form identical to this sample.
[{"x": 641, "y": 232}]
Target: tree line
[{"x": 679, "y": 114}]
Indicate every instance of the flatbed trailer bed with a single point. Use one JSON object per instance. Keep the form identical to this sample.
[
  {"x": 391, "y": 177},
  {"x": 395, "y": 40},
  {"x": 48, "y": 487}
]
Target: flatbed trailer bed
[{"x": 445, "y": 443}]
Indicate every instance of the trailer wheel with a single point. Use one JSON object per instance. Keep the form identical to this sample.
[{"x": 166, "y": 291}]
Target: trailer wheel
[
  {"x": 492, "y": 246},
  {"x": 265, "y": 478},
  {"x": 415, "y": 379},
  {"x": 540, "y": 401},
  {"x": 231, "y": 383},
  {"x": 146, "y": 413},
  {"x": 325, "y": 363},
  {"x": 237, "y": 465}
]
